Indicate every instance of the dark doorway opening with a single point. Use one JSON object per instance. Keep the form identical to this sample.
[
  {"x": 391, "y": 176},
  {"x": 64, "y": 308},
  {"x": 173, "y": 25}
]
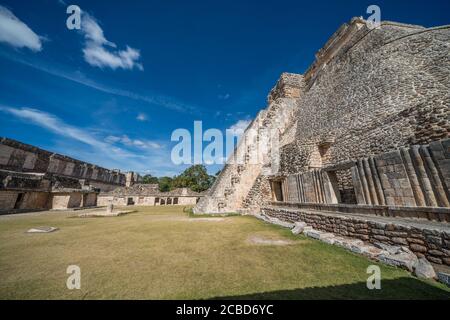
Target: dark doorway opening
[
  {"x": 277, "y": 190},
  {"x": 19, "y": 200},
  {"x": 345, "y": 186},
  {"x": 130, "y": 202}
]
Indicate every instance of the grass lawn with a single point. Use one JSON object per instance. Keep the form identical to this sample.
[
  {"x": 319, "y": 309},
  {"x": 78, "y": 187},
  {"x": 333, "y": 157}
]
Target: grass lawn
[{"x": 162, "y": 253}]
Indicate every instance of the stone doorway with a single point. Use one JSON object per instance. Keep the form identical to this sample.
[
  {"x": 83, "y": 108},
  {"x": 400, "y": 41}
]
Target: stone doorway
[
  {"x": 277, "y": 191},
  {"x": 19, "y": 200},
  {"x": 345, "y": 185}
]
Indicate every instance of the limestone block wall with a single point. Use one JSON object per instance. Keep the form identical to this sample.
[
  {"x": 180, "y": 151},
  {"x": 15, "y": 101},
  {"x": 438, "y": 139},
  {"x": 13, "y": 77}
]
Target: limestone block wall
[
  {"x": 373, "y": 91},
  {"x": 259, "y": 194},
  {"x": 103, "y": 201},
  {"x": 20, "y": 157},
  {"x": 8, "y": 200},
  {"x": 411, "y": 177},
  {"x": 425, "y": 241},
  {"x": 66, "y": 200},
  {"x": 367, "y": 93},
  {"x": 90, "y": 199},
  {"x": 35, "y": 200},
  {"x": 187, "y": 200},
  {"x": 231, "y": 190}
]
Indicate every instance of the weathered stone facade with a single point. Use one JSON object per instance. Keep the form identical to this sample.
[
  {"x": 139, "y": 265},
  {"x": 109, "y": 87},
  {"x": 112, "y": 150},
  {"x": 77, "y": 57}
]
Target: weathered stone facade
[
  {"x": 366, "y": 138},
  {"x": 35, "y": 179},
  {"x": 233, "y": 185},
  {"x": 19, "y": 157},
  {"x": 363, "y": 112},
  {"x": 148, "y": 195},
  {"x": 425, "y": 240},
  {"x": 373, "y": 91}
]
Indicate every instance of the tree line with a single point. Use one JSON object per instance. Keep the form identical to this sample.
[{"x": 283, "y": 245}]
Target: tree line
[{"x": 195, "y": 177}]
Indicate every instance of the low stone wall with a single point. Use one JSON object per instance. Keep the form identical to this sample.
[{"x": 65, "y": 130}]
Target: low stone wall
[
  {"x": 426, "y": 241},
  {"x": 21, "y": 157},
  {"x": 104, "y": 200},
  {"x": 426, "y": 213},
  {"x": 29, "y": 201}
]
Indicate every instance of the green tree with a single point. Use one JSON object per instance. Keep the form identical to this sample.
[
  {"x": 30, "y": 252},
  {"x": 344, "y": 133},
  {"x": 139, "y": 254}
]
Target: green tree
[
  {"x": 165, "y": 184},
  {"x": 149, "y": 179},
  {"x": 195, "y": 177}
]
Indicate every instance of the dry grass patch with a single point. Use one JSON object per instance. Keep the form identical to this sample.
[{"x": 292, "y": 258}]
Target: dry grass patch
[{"x": 156, "y": 253}]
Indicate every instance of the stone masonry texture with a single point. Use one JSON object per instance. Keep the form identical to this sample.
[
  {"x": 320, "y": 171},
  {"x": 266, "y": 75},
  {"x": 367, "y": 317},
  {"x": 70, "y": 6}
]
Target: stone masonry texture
[{"x": 367, "y": 94}]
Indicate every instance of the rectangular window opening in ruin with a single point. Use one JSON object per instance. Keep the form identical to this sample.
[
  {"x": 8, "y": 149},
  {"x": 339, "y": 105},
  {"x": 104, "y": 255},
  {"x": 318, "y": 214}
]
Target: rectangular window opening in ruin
[{"x": 130, "y": 202}]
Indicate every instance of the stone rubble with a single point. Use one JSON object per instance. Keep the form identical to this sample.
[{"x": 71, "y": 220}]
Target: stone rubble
[
  {"x": 398, "y": 256},
  {"x": 42, "y": 230},
  {"x": 298, "y": 227},
  {"x": 444, "y": 278},
  {"x": 424, "y": 269}
]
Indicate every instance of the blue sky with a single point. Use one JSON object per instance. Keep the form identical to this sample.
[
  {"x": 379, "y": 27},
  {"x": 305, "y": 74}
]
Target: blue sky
[{"x": 113, "y": 92}]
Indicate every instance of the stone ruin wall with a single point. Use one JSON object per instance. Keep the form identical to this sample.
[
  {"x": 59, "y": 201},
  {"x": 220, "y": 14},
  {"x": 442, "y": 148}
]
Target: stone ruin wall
[
  {"x": 230, "y": 192},
  {"x": 19, "y": 157},
  {"x": 418, "y": 176},
  {"x": 425, "y": 241},
  {"x": 368, "y": 92},
  {"x": 373, "y": 93}
]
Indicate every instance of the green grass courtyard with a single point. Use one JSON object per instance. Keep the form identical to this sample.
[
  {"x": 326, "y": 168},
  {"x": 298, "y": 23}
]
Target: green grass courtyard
[{"x": 163, "y": 253}]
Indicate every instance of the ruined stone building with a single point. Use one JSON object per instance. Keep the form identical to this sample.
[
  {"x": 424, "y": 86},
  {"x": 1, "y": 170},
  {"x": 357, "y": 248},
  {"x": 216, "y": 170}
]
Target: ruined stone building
[
  {"x": 364, "y": 131},
  {"x": 36, "y": 179},
  {"x": 148, "y": 195}
]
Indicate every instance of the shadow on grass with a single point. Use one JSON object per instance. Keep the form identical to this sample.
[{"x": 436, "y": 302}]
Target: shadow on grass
[{"x": 402, "y": 289}]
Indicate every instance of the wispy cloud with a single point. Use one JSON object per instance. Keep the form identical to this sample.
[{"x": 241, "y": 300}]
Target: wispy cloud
[
  {"x": 225, "y": 96},
  {"x": 16, "y": 33},
  {"x": 138, "y": 143},
  {"x": 152, "y": 99},
  {"x": 54, "y": 124},
  {"x": 142, "y": 117},
  {"x": 135, "y": 154},
  {"x": 240, "y": 125},
  {"x": 100, "y": 52}
]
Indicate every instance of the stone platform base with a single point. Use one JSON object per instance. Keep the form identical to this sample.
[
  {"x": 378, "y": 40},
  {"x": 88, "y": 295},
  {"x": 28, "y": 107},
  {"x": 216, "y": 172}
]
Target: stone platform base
[
  {"x": 424, "y": 238},
  {"x": 103, "y": 213}
]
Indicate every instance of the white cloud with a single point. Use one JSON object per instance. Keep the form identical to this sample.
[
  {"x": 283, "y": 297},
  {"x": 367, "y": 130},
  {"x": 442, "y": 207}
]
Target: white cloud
[
  {"x": 240, "y": 125},
  {"x": 138, "y": 143},
  {"x": 54, "y": 124},
  {"x": 100, "y": 52},
  {"x": 16, "y": 33},
  {"x": 142, "y": 117},
  {"x": 161, "y": 100},
  {"x": 104, "y": 152},
  {"x": 225, "y": 96}
]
